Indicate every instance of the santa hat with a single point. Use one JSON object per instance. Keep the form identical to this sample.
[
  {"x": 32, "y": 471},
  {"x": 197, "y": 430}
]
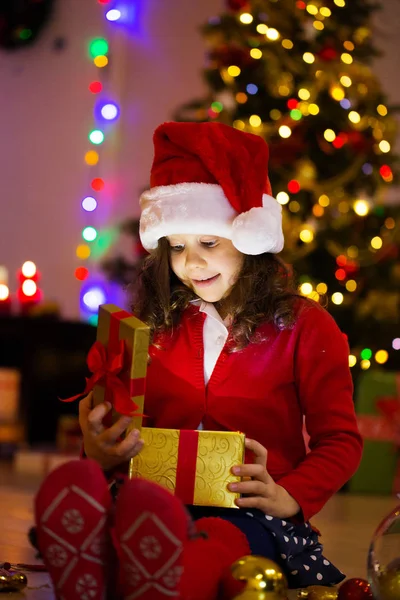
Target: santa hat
[{"x": 212, "y": 179}]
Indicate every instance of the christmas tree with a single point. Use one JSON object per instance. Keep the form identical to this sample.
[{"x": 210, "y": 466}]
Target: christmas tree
[{"x": 299, "y": 74}]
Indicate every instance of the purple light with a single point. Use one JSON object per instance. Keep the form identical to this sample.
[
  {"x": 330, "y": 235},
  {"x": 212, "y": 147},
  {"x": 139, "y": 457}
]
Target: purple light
[
  {"x": 93, "y": 297},
  {"x": 109, "y": 111},
  {"x": 89, "y": 204},
  {"x": 396, "y": 344},
  {"x": 113, "y": 15}
]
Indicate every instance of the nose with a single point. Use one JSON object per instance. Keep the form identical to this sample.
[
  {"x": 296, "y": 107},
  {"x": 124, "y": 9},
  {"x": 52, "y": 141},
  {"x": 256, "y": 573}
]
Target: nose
[{"x": 194, "y": 259}]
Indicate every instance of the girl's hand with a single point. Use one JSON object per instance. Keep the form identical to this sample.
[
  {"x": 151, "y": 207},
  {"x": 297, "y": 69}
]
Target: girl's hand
[
  {"x": 261, "y": 491},
  {"x": 102, "y": 444}
]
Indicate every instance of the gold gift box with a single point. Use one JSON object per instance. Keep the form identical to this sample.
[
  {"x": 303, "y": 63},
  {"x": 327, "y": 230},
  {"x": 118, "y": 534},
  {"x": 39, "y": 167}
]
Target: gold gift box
[{"x": 193, "y": 465}]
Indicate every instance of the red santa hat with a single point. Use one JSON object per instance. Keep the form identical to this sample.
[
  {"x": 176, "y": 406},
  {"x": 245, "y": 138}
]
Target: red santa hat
[{"x": 212, "y": 179}]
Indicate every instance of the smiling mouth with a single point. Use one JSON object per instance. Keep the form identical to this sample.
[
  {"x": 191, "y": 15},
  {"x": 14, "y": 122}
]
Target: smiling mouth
[{"x": 206, "y": 281}]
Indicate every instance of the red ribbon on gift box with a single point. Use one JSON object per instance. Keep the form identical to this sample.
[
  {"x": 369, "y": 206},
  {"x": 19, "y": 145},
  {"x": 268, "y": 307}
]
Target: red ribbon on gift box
[
  {"x": 107, "y": 365},
  {"x": 384, "y": 427}
]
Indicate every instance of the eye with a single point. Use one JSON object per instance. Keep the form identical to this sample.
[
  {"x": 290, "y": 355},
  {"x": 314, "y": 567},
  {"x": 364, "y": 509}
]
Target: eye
[
  {"x": 210, "y": 243},
  {"x": 177, "y": 248}
]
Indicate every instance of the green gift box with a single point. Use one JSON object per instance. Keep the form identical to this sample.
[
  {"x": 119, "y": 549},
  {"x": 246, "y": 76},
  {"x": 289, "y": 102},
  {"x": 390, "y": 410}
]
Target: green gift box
[{"x": 379, "y": 470}]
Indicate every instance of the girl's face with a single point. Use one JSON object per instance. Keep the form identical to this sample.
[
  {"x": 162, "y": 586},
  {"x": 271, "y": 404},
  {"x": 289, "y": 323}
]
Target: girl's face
[{"x": 207, "y": 264}]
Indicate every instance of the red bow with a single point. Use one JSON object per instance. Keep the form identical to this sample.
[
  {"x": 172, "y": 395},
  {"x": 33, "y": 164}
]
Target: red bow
[{"x": 105, "y": 371}]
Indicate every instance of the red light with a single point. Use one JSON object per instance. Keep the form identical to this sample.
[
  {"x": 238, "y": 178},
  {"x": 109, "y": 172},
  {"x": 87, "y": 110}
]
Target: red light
[
  {"x": 293, "y": 186},
  {"x": 341, "y": 260},
  {"x": 97, "y": 184},
  {"x": 95, "y": 87},
  {"x": 340, "y": 274},
  {"x": 103, "y": 1},
  {"x": 300, "y": 4},
  {"x": 338, "y": 143},
  {"x": 385, "y": 171},
  {"x": 81, "y": 273},
  {"x": 292, "y": 103}
]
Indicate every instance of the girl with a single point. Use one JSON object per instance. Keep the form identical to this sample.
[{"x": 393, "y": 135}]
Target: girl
[{"x": 235, "y": 348}]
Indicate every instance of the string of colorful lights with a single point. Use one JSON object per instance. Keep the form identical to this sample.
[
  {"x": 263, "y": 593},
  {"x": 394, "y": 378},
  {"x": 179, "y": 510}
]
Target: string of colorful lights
[{"x": 105, "y": 113}]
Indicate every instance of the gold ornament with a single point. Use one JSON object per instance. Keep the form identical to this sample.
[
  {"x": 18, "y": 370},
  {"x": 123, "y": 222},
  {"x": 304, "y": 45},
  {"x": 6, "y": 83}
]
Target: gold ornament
[
  {"x": 264, "y": 579},
  {"x": 12, "y": 581},
  {"x": 389, "y": 584},
  {"x": 318, "y": 592}
]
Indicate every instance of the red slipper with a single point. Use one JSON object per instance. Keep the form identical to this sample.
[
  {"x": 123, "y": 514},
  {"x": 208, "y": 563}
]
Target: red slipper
[
  {"x": 72, "y": 512},
  {"x": 151, "y": 526}
]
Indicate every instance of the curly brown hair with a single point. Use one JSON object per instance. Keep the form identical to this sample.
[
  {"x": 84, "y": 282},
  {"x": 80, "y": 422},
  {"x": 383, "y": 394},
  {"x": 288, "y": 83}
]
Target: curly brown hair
[{"x": 264, "y": 292}]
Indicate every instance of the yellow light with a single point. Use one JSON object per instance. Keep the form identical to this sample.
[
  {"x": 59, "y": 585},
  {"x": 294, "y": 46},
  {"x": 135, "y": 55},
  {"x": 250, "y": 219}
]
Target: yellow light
[
  {"x": 255, "y": 53},
  {"x": 262, "y": 28},
  {"x": 390, "y": 223},
  {"x": 238, "y": 124},
  {"x": 382, "y": 110},
  {"x": 340, "y": 3},
  {"x": 318, "y": 211},
  {"x": 354, "y": 116},
  {"x": 337, "y": 298},
  {"x": 322, "y": 288},
  {"x": 324, "y": 200},
  {"x": 325, "y": 11},
  {"x": 284, "y": 90},
  {"x": 294, "y": 206},
  {"x": 343, "y": 207},
  {"x": 282, "y": 197},
  {"x": 29, "y": 287},
  {"x": 246, "y": 18},
  {"x": 255, "y": 121},
  {"x": 28, "y": 269},
  {"x": 303, "y": 94},
  {"x": 308, "y": 57},
  {"x": 352, "y": 360},
  {"x": 285, "y": 131},
  {"x": 346, "y": 81},
  {"x": 101, "y": 61},
  {"x": 352, "y": 251},
  {"x": 303, "y": 108},
  {"x": 306, "y": 289},
  {"x": 4, "y": 291},
  {"x": 348, "y": 45},
  {"x": 272, "y": 34},
  {"x": 365, "y": 364},
  {"x": 241, "y": 98},
  {"x": 337, "y": 93},
  {"x": 91, "y": 158},
  {"x": 361, "y": 208},
  {"x": 384, "y": 146},
  {"x": 313, "y": 109},
  {"x": 318, "y": 25},
  {"x": 314, "y": 296},
  {"x": 329, "y": 135},
  {"x": 347, "y": 58},
  {"x": 313, "y": 10},
  {"x": 287, "y": 44},
  {"x": 351, "y": 285},
  {"x": 306, "y": 236},
  {"x": 275, "y": 114},
  {"x": 83, "y": 251},
  {"x": 376, "y": 242},
  {"x": 381, "y": 357},
  {"x": 233, "y": 71},
  {"x": 226, "y": 77}
]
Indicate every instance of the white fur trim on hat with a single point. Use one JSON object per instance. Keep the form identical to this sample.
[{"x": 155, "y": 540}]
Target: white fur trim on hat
[{"x": 202, "y": 208}]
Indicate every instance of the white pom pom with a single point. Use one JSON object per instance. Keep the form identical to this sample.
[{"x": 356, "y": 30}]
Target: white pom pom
[{"x": 259, "y": 229}]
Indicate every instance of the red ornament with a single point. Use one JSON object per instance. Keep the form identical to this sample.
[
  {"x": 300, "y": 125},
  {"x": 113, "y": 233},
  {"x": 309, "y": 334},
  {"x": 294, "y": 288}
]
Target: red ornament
[
  {"x": 328, "y": 54},
  {"x": 237, "y": 5},
  {"x": 355, "y": 589}
]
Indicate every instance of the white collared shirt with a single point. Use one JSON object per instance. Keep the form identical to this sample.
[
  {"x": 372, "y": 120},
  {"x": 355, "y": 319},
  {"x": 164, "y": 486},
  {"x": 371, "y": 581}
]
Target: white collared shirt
[{"x": 215, "y": 334}]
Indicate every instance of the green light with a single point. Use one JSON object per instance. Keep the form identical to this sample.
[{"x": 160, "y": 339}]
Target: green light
[
  {"x": 366, "y": 354},
  {"x": 93, "y": 320},
  {"x": 25, "y": 34},
  {"x": 217, "y": 106},
  {"x": 98, "y": 47},
  {"x": 379, "y": 210},
  {"x": 96, "y": 136},
  {"x": 296, "y": 114},
  {"x": 89, "y": 234}
]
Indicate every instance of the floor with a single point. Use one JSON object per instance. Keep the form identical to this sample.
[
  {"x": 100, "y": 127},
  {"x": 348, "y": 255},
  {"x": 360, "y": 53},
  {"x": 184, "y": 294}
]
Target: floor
[{"x": 347, "y": 523}]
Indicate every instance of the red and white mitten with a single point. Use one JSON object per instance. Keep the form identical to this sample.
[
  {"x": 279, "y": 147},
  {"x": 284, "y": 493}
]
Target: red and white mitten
[
  {"x": 151, "y": 526},
  {"x": 72, "y": 514}
]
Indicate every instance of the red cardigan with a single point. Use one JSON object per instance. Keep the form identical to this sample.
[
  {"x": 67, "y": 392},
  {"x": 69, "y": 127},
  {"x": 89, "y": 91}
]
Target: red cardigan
[{"x": 264, "y": 390}]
